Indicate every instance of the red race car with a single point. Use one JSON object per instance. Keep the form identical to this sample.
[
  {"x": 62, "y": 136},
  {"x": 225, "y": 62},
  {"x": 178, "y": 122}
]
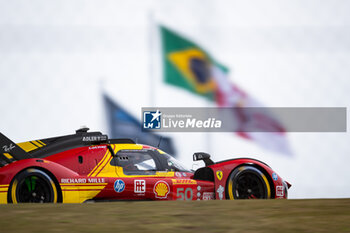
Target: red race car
[{"x": 87, "y": 166}]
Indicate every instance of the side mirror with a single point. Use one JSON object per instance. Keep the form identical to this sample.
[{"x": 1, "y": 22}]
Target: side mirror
[{"x": 203, "y": 156}]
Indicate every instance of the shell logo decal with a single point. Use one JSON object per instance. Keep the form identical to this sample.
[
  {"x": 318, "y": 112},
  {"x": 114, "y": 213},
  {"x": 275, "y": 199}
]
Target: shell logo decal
[{"x": 161, "y": 189}]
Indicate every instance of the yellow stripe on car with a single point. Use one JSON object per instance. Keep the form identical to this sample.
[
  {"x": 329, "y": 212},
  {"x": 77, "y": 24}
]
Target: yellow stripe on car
[
  {"x": 31, "y": 145},
  {"x": 78, "y": 192},
  {"x": 7, "y": 155},
  {"x": 103, "y": 165},
  {"x": 43, "y": 144},
  {"x": 27, "y": 146},
  {"x": 3, "y": 193},
  {"x": 36, "y": 143},
  {"x": 94, "y": 170},
  {"x": 70, "y": 188},
  {"x": 161, "y": 152}
]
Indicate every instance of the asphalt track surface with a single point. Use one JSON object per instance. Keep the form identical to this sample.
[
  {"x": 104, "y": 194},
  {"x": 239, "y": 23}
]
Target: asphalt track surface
[{"x": 314, "y": 215}]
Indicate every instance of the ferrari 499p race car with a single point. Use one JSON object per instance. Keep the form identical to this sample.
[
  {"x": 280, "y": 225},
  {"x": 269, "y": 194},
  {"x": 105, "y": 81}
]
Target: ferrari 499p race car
[{"x": 87, "y": 166}]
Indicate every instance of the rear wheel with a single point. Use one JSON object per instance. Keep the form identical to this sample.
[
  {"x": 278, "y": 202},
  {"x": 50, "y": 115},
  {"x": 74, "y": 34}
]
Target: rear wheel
[
  {"x": 247, "y": 182},
  {"x": 33, "y": 186}
]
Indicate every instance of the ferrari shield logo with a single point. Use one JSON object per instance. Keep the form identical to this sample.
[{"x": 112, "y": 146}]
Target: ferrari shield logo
[{"x": 219, "y": 174}]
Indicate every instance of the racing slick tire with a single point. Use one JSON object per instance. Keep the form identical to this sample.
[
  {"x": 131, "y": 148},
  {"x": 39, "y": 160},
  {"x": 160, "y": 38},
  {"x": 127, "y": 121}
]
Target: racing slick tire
[
  {"x": 32, "y": 186},
  {"x": 247, "y": 182}
]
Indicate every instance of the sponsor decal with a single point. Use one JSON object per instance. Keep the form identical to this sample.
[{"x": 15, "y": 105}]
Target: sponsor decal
[
  {"x": 82, "y": 180},
  {"x": 208, "y": 196},
  {"x": 97, "y": 147},
  {"x": 219, "y": 174},
  {"x": 184, "y": 174},
  {"x": 191, "y": 123},
  {"x": 96, "y": 180},
  {"x": 139, "y": 186},
  {"x": 178, "y": 174},
  {"x": 274, "y": 176},
  {"x": 183, "y": 181},
  {"x": 164, "y": 119},
  {"x": 198, "y": 194},
  {"x": 152, "y": 120},
  {"x": 161, "y": 189},
  {"x": 279, "y": 191},
  {"x": 94, "y": 138},
  {"x": 119, "y": 186},
  {"x": 8, "y": 148},
  {"x": 199, "y": 188},
  {"x": 220, "y": 191}
]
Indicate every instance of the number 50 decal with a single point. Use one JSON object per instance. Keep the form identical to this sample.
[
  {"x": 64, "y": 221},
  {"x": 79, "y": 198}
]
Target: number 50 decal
[{"x": 186, "y": 194}]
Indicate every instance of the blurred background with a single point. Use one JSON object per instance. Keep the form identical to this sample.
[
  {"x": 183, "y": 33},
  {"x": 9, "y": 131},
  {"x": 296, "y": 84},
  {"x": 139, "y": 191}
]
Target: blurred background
[{"x": 58, "y": 59}]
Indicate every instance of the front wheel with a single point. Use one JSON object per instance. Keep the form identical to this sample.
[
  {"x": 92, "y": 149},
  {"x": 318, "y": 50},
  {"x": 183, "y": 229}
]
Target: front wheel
[
  {"x": 247, "y": 182},
  {"x": 32, "y": 186}
]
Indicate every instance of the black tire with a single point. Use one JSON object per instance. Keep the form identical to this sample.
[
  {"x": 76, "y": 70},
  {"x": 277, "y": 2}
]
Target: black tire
[
  {"x": 32, "y": 186},
  {"x": 247, "y": 182}
]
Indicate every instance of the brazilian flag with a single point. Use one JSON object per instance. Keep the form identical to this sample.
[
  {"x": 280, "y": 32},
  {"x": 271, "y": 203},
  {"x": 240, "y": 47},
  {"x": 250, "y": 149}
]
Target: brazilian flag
[{"x": 187, "y": 65}]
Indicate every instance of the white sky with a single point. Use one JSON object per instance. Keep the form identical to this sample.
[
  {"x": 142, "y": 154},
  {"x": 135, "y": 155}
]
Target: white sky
[{"x": 56, "y": 56}]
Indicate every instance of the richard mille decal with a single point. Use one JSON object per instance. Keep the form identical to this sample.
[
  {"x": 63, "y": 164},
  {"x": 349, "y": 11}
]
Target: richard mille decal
[{"x": 82, "y": 180}]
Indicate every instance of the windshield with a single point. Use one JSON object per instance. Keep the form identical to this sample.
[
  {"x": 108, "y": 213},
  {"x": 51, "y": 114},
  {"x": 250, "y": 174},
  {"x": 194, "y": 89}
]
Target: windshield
[{"x": 175, "y": 165}]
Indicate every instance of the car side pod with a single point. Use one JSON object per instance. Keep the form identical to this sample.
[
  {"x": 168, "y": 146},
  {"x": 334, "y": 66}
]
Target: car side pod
[{"x": 203, "y": 156}]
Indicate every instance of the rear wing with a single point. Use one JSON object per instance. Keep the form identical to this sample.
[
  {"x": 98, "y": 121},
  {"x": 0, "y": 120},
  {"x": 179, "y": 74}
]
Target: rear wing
[{"x": 10, "y": 151}]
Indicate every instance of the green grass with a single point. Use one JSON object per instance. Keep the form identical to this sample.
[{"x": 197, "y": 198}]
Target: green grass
[{"x": 329, "y": 215}]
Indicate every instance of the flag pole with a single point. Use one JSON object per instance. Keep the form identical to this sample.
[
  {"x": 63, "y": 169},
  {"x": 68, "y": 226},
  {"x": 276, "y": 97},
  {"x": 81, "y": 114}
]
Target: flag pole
[
  {"x": 151, "y": 62},
  {"x": 205, "y": 19},
  {"x": 208, "y": 136},
  {"x": 102, "y": 90}
]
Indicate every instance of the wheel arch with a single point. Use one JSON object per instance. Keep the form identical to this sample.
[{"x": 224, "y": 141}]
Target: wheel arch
[{"x": 46, "y": 171}]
